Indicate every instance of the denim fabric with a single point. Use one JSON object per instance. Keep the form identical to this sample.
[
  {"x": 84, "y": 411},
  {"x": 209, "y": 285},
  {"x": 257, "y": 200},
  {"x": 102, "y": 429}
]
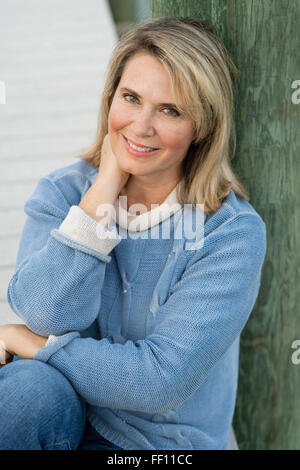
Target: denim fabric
[
  {"x": 39, "y": 410},
  {"x": 148, "y": 334}
]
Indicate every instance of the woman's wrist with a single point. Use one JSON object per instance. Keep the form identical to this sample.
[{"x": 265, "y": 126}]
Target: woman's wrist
[
  {"x": 98, "y": 201},
  {"x": 23, "y": 342}
]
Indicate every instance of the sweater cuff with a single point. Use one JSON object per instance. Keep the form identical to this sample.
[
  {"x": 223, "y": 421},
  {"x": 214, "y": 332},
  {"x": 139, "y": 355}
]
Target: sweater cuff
[
  {"x": 51, "y": 339},
  {"x": 46, "y": 352},
  {"x": 83, "y": 229}
]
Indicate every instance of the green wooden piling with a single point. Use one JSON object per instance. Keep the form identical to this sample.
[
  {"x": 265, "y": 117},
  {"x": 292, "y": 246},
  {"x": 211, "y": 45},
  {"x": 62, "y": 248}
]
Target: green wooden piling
[{"x": 263, "y": 38}]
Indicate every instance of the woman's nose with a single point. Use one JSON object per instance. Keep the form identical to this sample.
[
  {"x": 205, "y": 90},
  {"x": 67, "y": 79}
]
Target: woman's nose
[{"x": 143, "y": 123}]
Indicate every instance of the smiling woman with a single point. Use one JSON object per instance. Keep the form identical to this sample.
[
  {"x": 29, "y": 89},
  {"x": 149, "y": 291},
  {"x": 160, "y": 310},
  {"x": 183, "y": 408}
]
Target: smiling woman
[
  {"x": 143, "y": 120},
  {"x": 169, "y": 85},
  {"x": 145, "y": 329}
]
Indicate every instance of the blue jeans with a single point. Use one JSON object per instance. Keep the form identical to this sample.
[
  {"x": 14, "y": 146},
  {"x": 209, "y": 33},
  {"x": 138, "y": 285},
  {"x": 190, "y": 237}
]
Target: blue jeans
[{"x": 40, "y": 410}]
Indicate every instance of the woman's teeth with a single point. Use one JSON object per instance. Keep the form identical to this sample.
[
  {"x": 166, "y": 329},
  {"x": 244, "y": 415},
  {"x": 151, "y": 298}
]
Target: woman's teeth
[{"x": 140, "y": 149}]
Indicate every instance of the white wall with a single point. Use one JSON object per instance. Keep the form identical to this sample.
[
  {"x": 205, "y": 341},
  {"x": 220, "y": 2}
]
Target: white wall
[{"x": 53, "y": 56}]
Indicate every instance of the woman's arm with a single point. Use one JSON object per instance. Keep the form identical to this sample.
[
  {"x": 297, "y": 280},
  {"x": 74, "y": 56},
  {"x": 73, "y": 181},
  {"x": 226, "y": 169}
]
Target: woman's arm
[
  {"x": 63, "y": 254},
  {"x": 57, "y": 284},
  {"x": 204, "y": 314}
]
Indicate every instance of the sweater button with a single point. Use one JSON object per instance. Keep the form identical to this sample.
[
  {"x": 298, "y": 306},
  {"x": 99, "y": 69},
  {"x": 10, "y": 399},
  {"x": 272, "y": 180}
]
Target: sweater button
[{"x": 124, "y": 291}]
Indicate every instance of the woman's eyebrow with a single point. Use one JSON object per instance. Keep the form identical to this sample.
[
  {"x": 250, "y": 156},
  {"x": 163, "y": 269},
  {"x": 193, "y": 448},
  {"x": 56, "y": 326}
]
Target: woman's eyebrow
[{"x": 171, "y": 105}]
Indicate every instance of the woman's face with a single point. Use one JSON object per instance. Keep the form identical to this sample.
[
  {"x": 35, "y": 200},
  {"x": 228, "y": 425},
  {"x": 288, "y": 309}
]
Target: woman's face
[{"x": 139, "y": 112}]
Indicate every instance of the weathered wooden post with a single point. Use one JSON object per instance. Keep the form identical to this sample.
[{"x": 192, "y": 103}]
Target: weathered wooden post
[{"x": 264, "y": 40}]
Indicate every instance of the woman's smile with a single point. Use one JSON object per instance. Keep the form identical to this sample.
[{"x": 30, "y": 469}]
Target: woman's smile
[{"x": 138, "y": 150}]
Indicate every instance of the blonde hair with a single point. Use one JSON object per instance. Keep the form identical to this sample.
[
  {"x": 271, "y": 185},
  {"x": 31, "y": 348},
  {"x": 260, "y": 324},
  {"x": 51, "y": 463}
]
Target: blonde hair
[{"x": 201, "y": 73}]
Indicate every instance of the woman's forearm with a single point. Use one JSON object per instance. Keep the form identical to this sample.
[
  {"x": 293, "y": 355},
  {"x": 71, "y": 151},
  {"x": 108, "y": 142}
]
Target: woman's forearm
[
  {"x": 18, "y": 339},
  {"x": 99, "y": 200}
]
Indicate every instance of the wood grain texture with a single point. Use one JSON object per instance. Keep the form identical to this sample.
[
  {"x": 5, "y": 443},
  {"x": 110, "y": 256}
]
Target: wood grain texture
[{"x": 263, "y": 38}]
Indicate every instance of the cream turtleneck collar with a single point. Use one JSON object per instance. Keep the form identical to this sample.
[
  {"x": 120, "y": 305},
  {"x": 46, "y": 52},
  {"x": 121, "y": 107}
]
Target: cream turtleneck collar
[{"x": 138, "y": 223}]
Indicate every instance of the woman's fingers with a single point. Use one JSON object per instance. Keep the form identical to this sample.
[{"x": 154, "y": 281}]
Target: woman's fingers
[{"x": 5, "y": 356}]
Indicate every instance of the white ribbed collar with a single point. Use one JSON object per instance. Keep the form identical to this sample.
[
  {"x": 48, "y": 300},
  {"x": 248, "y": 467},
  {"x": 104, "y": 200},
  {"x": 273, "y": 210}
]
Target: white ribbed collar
[{"x": 138, "y": 223}]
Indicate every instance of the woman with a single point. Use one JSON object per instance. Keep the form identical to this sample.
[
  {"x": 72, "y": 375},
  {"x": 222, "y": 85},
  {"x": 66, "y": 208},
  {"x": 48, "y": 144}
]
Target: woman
[{"x": 132, "y": 340}]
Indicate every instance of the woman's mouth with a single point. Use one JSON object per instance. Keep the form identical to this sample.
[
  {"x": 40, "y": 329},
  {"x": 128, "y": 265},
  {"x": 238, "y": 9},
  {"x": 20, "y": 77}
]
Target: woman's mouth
[{"x": 137, "y": 150}]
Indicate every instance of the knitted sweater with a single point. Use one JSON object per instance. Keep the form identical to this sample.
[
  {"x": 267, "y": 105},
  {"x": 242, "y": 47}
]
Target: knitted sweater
[{"x": 147, "y": 328}]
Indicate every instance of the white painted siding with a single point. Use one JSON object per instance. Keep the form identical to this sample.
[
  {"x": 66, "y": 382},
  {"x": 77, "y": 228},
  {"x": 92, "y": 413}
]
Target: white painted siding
[{"x": 53, "y": 57}]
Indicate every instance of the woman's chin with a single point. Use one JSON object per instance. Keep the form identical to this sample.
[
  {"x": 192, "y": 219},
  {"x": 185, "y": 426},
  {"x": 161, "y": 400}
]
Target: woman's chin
[{"x": 130, "y": 167}]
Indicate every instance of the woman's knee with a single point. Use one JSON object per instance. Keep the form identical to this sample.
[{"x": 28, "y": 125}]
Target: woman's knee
[
  {"x": 36, "y": 396},
  {"x": 34, "y": 376}
]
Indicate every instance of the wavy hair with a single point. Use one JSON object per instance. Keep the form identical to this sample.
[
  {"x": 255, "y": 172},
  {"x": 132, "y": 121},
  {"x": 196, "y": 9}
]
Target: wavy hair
[{"x": 201, "y": 73}]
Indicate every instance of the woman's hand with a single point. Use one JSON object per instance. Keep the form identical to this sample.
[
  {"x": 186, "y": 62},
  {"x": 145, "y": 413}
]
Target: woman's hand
[
  {"x": 20, "y": 340},
  {"x": 109, "y": 166},
  {"x": 5, "y": 356},
  {"x": 98, "y": 201}
]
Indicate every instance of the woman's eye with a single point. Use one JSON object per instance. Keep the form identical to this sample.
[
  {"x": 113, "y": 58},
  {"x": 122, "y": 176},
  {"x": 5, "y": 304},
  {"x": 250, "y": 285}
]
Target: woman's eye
[
  {"x": 174, "y": 112},
  {"x": 130, "y": 96}
]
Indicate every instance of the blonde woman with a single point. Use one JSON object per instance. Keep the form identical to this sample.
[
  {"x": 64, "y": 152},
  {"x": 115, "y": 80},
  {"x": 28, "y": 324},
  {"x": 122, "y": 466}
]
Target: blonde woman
[{"x": 139, "y": 264}]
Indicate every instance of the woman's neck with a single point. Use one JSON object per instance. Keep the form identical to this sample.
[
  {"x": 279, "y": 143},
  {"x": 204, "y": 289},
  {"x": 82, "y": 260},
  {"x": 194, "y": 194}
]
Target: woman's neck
[{"x": 154, "y": 194}]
